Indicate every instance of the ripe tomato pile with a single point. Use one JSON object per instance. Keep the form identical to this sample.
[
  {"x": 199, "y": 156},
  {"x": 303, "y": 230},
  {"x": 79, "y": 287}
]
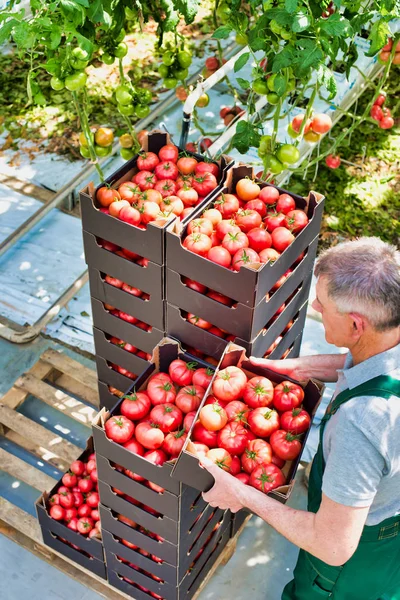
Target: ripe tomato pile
[
  {"x": 164, "y": 185},
  {"x": 129, "y": 255},
  {"x": 381, "y": 113},
  {"x": 129, "y": 347},
  {"x": 250, "y": 428},
  {"x": 384, "y": 54},
  {"x": 154, "y": 422},
  {"x": 77, "y": 499},
  {"x": 247, "y": 228}
]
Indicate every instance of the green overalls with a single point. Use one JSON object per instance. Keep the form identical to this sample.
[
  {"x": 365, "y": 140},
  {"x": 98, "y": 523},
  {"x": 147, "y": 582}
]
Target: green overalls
[{"x": 373, "y": 572}]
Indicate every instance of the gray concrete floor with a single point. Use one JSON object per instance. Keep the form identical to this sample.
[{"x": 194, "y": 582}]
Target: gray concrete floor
[{"x": 261, "y": 566}]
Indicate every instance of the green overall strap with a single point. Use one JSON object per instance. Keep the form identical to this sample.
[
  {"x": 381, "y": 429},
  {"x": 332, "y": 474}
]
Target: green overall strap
[{"x": 382, "y": 386}]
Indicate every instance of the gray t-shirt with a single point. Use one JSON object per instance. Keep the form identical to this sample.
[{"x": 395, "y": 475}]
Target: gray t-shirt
[{"x": 362, "y": 442}]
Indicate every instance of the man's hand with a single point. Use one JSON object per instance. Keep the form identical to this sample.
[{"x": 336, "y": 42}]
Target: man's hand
[{"x": 227, "y": 492}]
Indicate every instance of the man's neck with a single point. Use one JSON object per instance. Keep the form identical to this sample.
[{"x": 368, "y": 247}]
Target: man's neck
[{"x": 374, "y": 344}]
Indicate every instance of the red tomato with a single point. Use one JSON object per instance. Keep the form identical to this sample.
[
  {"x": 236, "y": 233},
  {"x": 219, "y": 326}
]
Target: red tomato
[
  {"x": 184, "y": 180},
  {"x": 376, "y": 112},
  {"x": 188, "y": 420},
  {"x": 174, "y": 443},
  {"x": 105, "y": 196},
  {"x": 116, "y": 207},
  {"x": 131, "y": 290},
  {"x": 297, "y": 121},
  {"x": 161, "y": 390},
  {"x": 227, "y": 204},
  {"x": 186, "y": 165},
  {"x": 285, "y": 444},
  {"x": 92, "y": 499},
  {"x": 269, "y": 255},
  {"x": 200, "y": 226},
  {"x": 221, "y": 458},
  {"x": 243, "y": 477},
  {"x": 333, "y": 162},
  {"x": 258, "y": 452},
  {"x": 233, "y": 438},
  {"x": 198, "y": 321},
  {"x": 188, "y": 195},
  {"x": 77, "y": 467},
  {"x": 279, "y": 462},
  {"x": 85, "y": 485},
  {"x": 166, "y": 187},
  {"x": 247, "y": 189},
  {"x": 167, "y": 417},
  {"x": 119, "y": 429},
  {"x": 263, "y": 421},
  {"x": 135, "y": 405},
  {"x": 213, "y": 417},
  {"x": 57, "y": 512},
  {"x": 248, "y": 219},
  {"x": 244, "y": 258},
  {"x": 237, "y": 411},
  {"x": 259, "y": 239},
  {"x": 257, "y": 205},
  {"x": 321, "y": 123},
  {"x": 266, "y": 478},
  {"x": 288, "y": 395},
  {"x": 220, "y": 255},
  {"x": 147, "y": 161},
  {"x": 182, "y": 372},
  {"x": 269, "y": 195},
  {"x": 129, "y": 191},
  {"x": 172, "y": 204},
  {"x": 217, "y": 331},
  {"x": 150, "y": 212},
  {"x": 233, "y": 242},
  {"x": 213, "y": 400},
  {"x": 203, "y": 436},
  {"x": 145, "y": 180},
  {"x": 226, "y": 226},
  {"x": 219, "y": 298},
  {"x": 236, "y": 466},
  {"x": 203, "y": 377},
  {"x": 296, "y": 420},
  {"x": 380, "y": 99},
  {"x": 229, "y": 384},
  {"x": 259, "y": 391},
  {"x": 85, "y": 525},
  {"x": 69, "y": 480},
  {"x": 189, "y": 398},
  {"x": 274, "y": 220},
  {"x": 281, "y": 238},
  {"x": 194, "y": 285},
  {"x": 205, "y": 184},
  {"x": 213, "y": 215},
  {"x": 200, "y": 449},
  {"x": 207, "y": 167},
  {"x": 169, "y": 152},
  {"x": 199, "y": 243},
  {"x": 285, "y": 204},
  {"x": 386, "y": 122},
  {"x": 149, "y": 435},
  {"x": 296, "y": 220},
  {"x": 113, "y": 281}
]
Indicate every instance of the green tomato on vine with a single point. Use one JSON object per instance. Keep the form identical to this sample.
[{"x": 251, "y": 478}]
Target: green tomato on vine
[
  {"x": 76, "y": 82},
  {"x": 170, "y": 82},
  {"x": 273, "y": 164},
  {"x": 260, "y": 86},
  {"x": 127, "y": 153},
  {"x": 145, "y": 95},
  {"x": 107, "y": 58},
  {"x": 121, "y": 50},
  {"x": 163, "y": 70},
  {"x": 57, "y": 84},
  {"x": 123, "y": 95},
  {"x": 127, "y": 110},
  {"x": 142, "y": 110},
  {"x": 85, "y": 152},
  {"x": 181, "y": 74},
  {"x": 184, "y": 59},
  {"x": 272, "y": 98},
  {"x": 168, "y": 58},
  {"x": 288, "y": 154},
  {"x": 101, "y": 151}
]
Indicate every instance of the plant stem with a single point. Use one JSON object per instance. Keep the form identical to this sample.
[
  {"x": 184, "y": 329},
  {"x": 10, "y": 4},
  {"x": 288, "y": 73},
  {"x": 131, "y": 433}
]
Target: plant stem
[{"x": 86, "y": 130}]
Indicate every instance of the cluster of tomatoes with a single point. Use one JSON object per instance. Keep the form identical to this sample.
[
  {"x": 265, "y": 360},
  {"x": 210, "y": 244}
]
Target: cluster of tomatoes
[
  {"x": 129, "y": 347},
  {"x": 154, "y": 421},
  {"x": 174, "y": 67},
  {"x": 77, "y": 499},
  {"x": 102, "y": 139},
  {"x": 250, "y": 428},
  {"x": 384, "y": 54},
  {"x": 229, "y": 113},
  {"x": 164, "y": 185},
  {"x": 314, "y": 127},
  {"x": 250, "y": 227},
  {"x": 381, "y": 113},
  {"x": 141, "y": 261}
]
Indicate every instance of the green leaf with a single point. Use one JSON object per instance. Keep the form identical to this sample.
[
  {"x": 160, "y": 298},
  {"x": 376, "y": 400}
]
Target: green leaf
[
  {"x": 24, "y": 36},
  {"x": 282, "y": 17},
  {"x": 284, "y": 59},
  {"x": 336, "y": 25},
  {"x": 301, "y": 22},
  {"x": 291, "y": 6},
  {"x": 188, "y": 8},
  {"x": 326, "y": 78},
  {"x": 53, "y": 67},
  {"x": 352, "y": 55},
  {"x": 55, "y": 37},
  {"x": 85, "y": 43},
  {"x": 73, "y": 12},
  {"x": 241, "y": 61},
  {"x": 310, "y": 57},
  {"x": 379, "y": 34},
  {"x": 6, "y": 29},
  {"x": 223, "y": 32},
  {"x": 244, "y": 84},
  {"x": 246, "y": 137},
  {"x": 84, "y": 3},
  {"x": 280, "y": 84}
]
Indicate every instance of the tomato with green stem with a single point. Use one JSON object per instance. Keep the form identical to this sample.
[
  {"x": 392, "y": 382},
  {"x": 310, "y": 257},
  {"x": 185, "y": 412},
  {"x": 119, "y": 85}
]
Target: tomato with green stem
[
  {"x": 107, "y": 58},
  {"x": 266, "y": 478},
  {"x": 287, "y": 153},
  {"x": 285, "y": 445},
  {"x": 76, "y": 82},
  {"x": 260, "y": 87},
  {"x": 184, "y": 59},
  {"x": 57, "y": 84},
  {"x": 121, "y": 50},
  {"x": 221, "y": 458}
]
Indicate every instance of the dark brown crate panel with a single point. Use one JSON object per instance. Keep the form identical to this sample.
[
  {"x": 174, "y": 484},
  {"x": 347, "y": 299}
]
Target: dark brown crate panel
[
  {"x": 149, "y": 311},
  {"x": 117, "y": 355},
  {"x": 295, "y": 348},
  {"x": 247, "y": 286},
  {"x": 147, "y": 242},
  {"x": 149, "y": 279},
  {"x": 241, "y": 320},
  {"x": 191, "y": 582},
  {"x": 128, "y": 332},
  {"x": 187, "y": 468},
  {"x": 107, "y": 399},
  {"x": 107, "y": 374},
  {"x": 91, "y": 546},
  {"x": 179, "y": 554},
  {"x": 94, "y": 565},
  {"x": 191, "y": 335},
  {"x": 292, "y": 336}
]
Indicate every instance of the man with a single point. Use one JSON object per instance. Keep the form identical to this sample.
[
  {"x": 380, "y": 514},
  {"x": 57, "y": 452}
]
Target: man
[{"x": 349, "y": 538}]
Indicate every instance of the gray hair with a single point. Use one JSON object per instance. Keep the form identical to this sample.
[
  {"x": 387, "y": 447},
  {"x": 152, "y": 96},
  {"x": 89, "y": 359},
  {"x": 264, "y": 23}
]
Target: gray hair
[{"x": 364, "y": 277}]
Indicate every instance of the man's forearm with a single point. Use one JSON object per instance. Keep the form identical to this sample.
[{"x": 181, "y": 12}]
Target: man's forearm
[{"x": 323, "y": 366}]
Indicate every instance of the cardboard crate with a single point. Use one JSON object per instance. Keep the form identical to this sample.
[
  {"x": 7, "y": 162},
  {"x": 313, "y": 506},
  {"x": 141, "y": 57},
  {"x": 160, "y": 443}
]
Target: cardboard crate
[
  {"x": 191, "y": 335},
  {"x": 117, "y": 355},
  {"x": 248, "y": 286},
  {"x": 113, "y": 325},
  {"x": 240, "y": 320},
  {"x": 107, "y": 399},
  {"x": 167, "y": 351},
  {"x": 188, "y": 586},
  {"x": 107, "y": 374},
  {"x": 187, "y": 468},
  {"x": 149, "y": 279},
  {"x": 149, "y": 311},
  {"x": 147, "y": 242},
  {"x": 291, "y": 338},
  {"x": 57, "y": 535}
]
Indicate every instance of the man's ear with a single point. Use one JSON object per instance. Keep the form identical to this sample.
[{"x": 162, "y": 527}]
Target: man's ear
[{"x": 359, "y": 323}]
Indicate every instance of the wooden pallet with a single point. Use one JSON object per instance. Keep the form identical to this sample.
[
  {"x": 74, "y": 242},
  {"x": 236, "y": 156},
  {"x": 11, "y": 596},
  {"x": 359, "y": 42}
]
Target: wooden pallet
[{"x": 58, "y": 381}]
